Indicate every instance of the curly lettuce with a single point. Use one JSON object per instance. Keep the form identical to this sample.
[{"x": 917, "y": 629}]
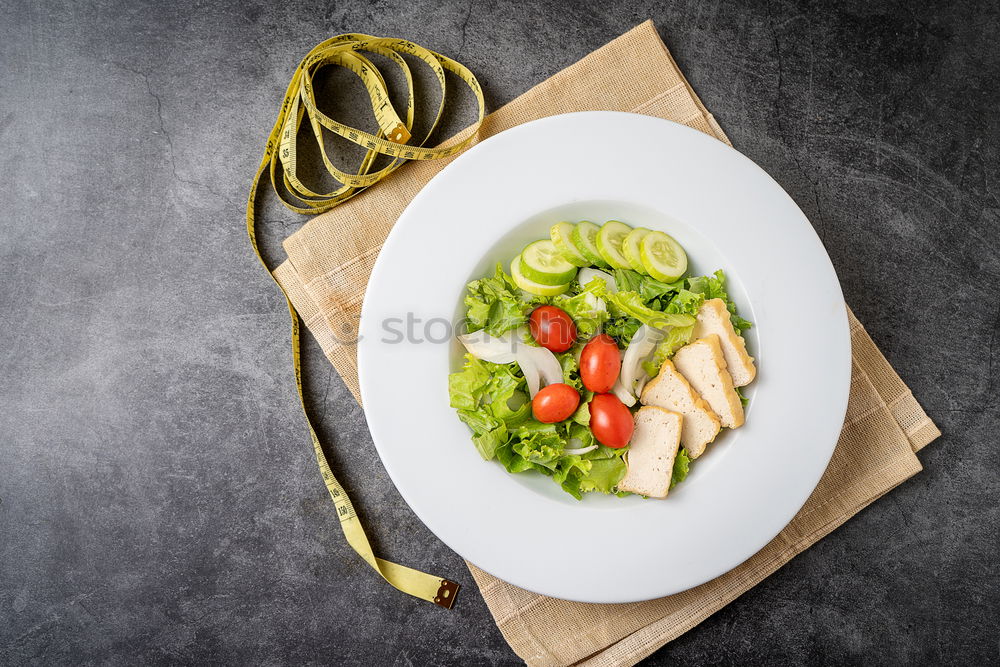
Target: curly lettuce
[
  {"x": 491, "y": 399},
  {"x": 675, "y": 339},
  {"x": 714, "y": 287},
  {"x": 622, "y": 329},
  {"x": 682, "y": 465},
  {"x": 541, "y": 447},
  {"x": 684, "y": 302},
  {"x": 495, "y": 304},
  {"x": 631, "y": 304},
  {"x": 585, "y": 306},
  {"x": 648, "y": 288}
]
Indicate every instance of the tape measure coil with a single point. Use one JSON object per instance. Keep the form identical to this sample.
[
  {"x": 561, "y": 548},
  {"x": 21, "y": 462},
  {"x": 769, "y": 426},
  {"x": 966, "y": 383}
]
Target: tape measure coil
[{"x": 280, "y": 155}]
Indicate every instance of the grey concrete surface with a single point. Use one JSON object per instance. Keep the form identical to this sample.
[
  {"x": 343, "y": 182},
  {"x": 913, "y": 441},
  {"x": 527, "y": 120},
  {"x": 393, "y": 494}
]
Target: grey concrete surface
[{"x": 159, "y": 502}]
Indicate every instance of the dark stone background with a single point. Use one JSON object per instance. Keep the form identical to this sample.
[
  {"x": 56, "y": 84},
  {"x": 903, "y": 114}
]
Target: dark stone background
[{"x": 160, "y": 501}]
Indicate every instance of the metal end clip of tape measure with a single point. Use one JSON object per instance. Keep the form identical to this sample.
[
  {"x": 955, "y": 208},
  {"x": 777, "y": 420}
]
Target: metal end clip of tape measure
[{"x": 392, "y": 139}]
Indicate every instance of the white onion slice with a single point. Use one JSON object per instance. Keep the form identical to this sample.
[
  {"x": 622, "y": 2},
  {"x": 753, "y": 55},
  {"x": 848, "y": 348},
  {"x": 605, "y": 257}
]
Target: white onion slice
[
  {"x": 531, "y": 375},
  {"x": 539, "y": 365},
  {"x": 495, "y": 349},
  {"x": 584, "y": 276},
  {"x": 549, "y": 366},
  {"x": 641, "y": 346},
  {"x": 623, "y": 394},
  {"x": 580, "y": 450}
]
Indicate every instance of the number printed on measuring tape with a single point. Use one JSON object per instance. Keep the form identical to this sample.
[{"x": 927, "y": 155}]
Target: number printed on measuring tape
[{"x": 393, "y": 139}]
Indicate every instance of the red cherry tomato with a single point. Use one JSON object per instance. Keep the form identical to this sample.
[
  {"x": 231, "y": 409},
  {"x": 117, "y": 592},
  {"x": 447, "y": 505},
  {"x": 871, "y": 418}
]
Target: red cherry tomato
[
  {"x": 555, "y": 403},
  {"x": 551, "y": 327},
  {"x": 610, "y": 421},
  {"x": 600, "y": 363}
]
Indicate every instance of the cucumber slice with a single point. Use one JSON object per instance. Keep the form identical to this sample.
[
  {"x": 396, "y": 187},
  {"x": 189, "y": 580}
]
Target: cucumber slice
[
  {"x": 609, "y": 243},
  {"x": 560, "y": 233},
  {"x": 541, "y": 262},
  {"x": 630, "y": 248},
  {"x": 531, "y": 286},
  {"x": 663, "y": 257},
  {"x": 585, "y": 237}
]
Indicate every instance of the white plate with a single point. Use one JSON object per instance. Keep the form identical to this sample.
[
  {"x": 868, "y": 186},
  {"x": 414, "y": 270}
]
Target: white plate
[{"x": 727, "y": 213}]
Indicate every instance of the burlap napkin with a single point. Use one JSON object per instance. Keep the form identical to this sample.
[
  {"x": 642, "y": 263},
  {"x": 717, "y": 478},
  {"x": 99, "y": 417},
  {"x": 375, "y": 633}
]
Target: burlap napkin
[{"x": 331, "y": 257}]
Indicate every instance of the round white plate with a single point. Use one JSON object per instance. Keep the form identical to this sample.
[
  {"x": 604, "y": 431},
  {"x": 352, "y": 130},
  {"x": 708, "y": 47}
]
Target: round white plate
[{"x": 727, "y": 213}]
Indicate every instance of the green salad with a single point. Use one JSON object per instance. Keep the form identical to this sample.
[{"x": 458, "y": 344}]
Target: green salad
[{"x": 563, "y": 340}]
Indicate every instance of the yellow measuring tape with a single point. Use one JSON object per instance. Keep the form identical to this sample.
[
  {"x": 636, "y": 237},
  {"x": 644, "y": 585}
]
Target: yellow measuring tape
[{"x": 392, "y": 140}]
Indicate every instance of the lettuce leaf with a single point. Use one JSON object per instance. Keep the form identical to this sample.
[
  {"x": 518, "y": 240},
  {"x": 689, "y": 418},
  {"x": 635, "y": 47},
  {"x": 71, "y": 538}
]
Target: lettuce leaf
[
  {"x": 627, "y": 280},
  {"x": 466, "y": 388},
  {"x": 648, "y": 288},
  {"x": 495, "y": 304},
  {"x": 652, "y": 288},
  {"x": 571, "y": 485},
  {"x": 588, "y": 310},
  {"x": 675, "y": 339},
  {"x": 684, "y": 302},
  {"x": 585, "y": 474},
  {"x": 743, "y": 399},
  {"x": 570, "y": 466},
  {"x": 604, "y": 452},
  {"x": 570, "y": 369},
  {"x": 711, "y": 287},
  {"x": 622, "y": 329},
  {"x": 491, "y": 400},
  {"x": 541, "y": 446},
  {"x": 714, "y": 287},
  {"x": 581, "y": 432},
  {"x": 631, "y": 303},
  {"x": 488, "y": 433},
  {"x": 511, "y": 460},
  {"x": 604, "y": 475},
  {"x": 687, "y": 301},
  {"x": 682, "y": 464},
  {"x": 582, "y": 414}
]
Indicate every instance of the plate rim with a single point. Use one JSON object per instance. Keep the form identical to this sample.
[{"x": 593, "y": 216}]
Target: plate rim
[{"x": 841, "y": 324}]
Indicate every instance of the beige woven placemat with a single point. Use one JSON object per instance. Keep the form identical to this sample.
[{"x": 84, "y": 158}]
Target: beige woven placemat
[{"x": 331, "y": 257}]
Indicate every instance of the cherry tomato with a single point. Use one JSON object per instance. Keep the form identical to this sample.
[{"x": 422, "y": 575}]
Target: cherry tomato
[
  {"x": 600, "y": 363},
  {"x": 610, "y": 421},
  {"x": 551, "y": 327},
  {"x": 555, "y": 403}
]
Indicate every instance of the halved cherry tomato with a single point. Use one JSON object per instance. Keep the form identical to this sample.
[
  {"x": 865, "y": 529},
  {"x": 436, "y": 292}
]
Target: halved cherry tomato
[
  {"x": 600, "y": 363},
  {"x": 555, "y": 403},
  {"x": 610, "y": 421},
  {"x": 551, "y": 327}
]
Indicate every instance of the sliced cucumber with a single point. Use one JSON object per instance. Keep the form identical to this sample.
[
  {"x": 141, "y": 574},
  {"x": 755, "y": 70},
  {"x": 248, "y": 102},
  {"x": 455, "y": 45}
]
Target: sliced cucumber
[
  {"x": 560, "y": 233},
  {"x": 531, "y": 286},
  {"x": 609, "y": 243},
  {"x": 663, "y": 257},
  {"x": 542, "y": 263},
  {"x": 630, "y": 248},
  {"x": 585, "y": 237}
]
